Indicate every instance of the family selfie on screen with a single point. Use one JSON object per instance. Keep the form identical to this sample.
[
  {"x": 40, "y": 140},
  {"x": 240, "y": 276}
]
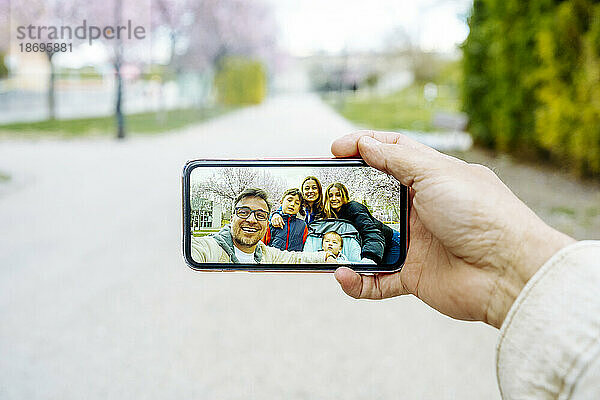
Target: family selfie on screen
[{"x": 307, "y": 224}]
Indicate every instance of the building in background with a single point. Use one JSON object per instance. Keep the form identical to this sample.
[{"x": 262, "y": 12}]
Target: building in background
[{"x": 208, "y": 216}]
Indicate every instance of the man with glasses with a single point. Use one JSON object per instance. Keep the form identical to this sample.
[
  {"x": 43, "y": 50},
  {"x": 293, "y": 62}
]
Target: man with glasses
[{"x": 240, "y": 242}]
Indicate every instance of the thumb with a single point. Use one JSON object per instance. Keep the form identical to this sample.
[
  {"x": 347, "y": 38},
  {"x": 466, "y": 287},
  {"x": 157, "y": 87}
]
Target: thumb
[
  {"x": 350, "y": 281},
  {"x": 376, "y": 287},
  {"x": 405, "y": 159},
  {"x": 401, "y": 160}
]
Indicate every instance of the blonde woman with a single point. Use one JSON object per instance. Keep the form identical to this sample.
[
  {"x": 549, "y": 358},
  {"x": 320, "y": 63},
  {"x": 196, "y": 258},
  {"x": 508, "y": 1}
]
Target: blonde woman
[{"x": 380, "y": 243}]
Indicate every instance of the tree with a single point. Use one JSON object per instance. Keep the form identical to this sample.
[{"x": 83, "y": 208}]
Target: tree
[
  {"x": 351, "y": 177},
  {"x": 4, "y": 25},
  {"x": 202, "y": 32},
  {"x": 177, "y": 18},
  {"x": 365, "y": 185},
  {"x": 4, "y": 35},
  {"x": 227, "y": 183},
  {"x": 118, "y": 62},
  {"x": 382, "y": 190},
  {"x": 126, "y": 47},
  {"x": 53, "y": 13},
  {"x": 174, "y": 18},
  {"x": 531, "y": 79}
]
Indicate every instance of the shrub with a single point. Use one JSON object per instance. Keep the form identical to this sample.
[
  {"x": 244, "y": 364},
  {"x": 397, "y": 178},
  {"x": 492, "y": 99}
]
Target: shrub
[
  {"x": 532, "y": 78},
  {"x": 3, "y": 68},
  {"x": 241, "y": 81}
]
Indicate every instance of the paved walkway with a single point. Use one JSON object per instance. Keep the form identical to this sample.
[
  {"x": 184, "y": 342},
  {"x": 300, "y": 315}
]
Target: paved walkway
[{"x": 97, "y": 303}]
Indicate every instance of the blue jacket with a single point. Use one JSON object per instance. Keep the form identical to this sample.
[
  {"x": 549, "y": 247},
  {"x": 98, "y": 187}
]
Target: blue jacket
[{"x": 291, "y": 237}]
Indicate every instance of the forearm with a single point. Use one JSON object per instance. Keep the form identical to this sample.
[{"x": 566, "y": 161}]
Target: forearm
[
  {"x": 318, "y": 257},
  {"x": 297, "y": 257}
]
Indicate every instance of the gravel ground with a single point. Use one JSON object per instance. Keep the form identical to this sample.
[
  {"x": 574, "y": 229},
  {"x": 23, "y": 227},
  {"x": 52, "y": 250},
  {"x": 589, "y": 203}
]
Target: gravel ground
[{"x": 97, "y": 303}]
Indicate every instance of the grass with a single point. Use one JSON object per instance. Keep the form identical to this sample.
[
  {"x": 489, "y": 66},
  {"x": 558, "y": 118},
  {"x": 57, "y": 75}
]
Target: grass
[
  {"x": 144, "y": 123},
  {"x": 405, "y": 109},
  {"x": 203, "y": 233},
  {"x": 568, "y": 211},
  {"x": 592, "y": 212},
  {"x": 4, "y": 177}
]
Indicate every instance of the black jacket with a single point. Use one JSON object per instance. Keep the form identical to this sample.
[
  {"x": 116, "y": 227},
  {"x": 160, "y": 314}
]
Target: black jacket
[{"x": 376, "y": 237}]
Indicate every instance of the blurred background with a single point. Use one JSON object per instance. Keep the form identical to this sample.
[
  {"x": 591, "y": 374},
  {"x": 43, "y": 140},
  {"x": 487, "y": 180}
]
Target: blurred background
[{"x": 95, "y": 299}]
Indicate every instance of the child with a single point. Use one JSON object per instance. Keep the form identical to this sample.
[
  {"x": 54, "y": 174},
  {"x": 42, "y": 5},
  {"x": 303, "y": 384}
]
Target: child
[
  {"x": 293, "y": 234},
  {"x": 332, "y": 242}
]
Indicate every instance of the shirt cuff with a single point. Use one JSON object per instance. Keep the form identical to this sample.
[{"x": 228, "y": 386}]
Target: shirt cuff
[{"x": 551, "y": 333}]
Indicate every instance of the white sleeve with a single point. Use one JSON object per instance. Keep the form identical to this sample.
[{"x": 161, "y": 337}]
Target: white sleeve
[{"x": 549, "y": 345}]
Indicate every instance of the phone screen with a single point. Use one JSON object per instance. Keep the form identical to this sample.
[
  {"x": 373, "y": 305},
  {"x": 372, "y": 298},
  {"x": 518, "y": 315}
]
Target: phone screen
[{"x": 295, "y": 217}]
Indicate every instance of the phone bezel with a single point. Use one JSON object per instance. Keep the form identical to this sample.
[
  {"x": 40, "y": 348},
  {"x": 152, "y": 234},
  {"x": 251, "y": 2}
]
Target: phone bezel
[{"x": 310, "y": 162}]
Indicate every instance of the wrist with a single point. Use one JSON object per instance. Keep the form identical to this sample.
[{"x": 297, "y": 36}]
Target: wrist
[{"x": 536, "y": 245}]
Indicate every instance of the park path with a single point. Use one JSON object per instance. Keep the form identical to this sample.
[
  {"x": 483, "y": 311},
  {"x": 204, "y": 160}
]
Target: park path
[{"x": 97, "y": 303}]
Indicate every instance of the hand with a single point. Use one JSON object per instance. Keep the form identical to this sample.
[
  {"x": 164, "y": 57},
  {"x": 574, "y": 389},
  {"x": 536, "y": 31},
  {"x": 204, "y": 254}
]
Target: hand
[
  {"x": 330, "y": 258},
  {"x": 277, "y": 221},
  {"x": 473, "y": 243}
]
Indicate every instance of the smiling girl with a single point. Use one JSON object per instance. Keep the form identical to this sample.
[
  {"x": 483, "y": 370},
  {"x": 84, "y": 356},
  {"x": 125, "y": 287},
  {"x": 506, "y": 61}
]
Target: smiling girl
[
  {"x": 313, "y": 199},
  {"x": 380, "y": 243},
  {"x": 312, "y": 205}
]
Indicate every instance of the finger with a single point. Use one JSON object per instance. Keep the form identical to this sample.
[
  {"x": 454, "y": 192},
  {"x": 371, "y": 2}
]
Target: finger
[
  {"x": 373, "y": 287},
  {"x": 396, "y": 154},
  {"x": 347, "y": 145},
  {"x": 277, "y": 221},
  {"x": 404, "y": 160}
]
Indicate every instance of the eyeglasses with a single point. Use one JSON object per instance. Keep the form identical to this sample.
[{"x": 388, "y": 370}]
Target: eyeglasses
[{"x": 245, "y": 212}]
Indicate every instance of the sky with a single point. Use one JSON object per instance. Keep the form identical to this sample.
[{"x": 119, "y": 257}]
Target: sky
[
  {"x": 308, "y": 26},
  {"x": 292, "y": 176},
  {"x": 334, "y": 26}
]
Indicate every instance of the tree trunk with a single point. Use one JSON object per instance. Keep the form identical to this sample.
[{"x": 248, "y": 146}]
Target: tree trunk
[
  {"x": 51, "y": 89},
  {"x": 119, "y": 79},
  {"x": 119, "y": 103},
  {"x": 171, "y": 70}
]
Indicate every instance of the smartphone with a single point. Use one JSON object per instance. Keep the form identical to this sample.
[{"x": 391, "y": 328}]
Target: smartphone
[{"x": 301, "y": 215}]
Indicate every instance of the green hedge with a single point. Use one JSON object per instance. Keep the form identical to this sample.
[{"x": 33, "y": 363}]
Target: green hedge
[
  {"x": 532, "y": 78},
  {"x": 3, "y": 68},
  {"x": 241, "y": 81}
]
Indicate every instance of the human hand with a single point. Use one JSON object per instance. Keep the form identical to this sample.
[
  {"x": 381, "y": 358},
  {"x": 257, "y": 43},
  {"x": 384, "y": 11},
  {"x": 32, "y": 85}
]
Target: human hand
[
  {"x": 330, "y": 258},
  {"x": 473, "y": 243},
  {"x": 277, "y": 221}
]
